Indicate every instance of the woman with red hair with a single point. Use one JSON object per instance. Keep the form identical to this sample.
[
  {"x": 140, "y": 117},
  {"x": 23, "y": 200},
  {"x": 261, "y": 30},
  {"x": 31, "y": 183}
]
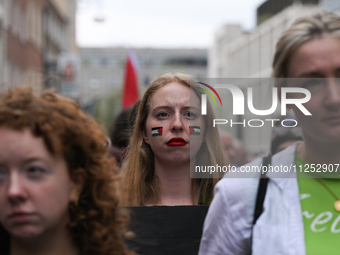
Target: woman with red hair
[{"x": 56, "y": 179}]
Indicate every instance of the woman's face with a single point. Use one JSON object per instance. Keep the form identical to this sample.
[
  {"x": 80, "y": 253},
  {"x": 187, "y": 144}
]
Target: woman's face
[
  {"x": 35, "y": 187},
  {"x": 172, "y": 110},
  {"x": 318, "y": 63}
]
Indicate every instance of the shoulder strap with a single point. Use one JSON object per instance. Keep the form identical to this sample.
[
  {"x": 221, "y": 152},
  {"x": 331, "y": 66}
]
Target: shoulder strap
[{"x": 262, "y": 189}]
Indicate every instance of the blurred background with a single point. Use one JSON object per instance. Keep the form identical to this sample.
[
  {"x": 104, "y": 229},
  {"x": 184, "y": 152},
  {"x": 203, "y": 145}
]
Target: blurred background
[{"x": 88, "y": 49}]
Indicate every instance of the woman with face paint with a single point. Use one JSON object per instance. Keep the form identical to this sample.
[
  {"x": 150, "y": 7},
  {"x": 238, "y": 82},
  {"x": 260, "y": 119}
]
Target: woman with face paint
[
  {"x": 169, "y": 133},
  {"x": 56, "y": 180},
  {"x": 300, "y": 215}
]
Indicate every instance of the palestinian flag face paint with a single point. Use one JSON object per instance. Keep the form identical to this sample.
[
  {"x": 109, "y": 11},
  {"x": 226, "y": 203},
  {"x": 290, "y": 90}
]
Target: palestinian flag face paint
[
  {"x": 157, "y": 131},
  {"x": 195, "y": 130}
]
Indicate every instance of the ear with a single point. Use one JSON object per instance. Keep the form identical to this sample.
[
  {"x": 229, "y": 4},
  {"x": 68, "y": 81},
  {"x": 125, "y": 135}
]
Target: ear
[
  {"x": 145, "y": 137},
  {"x": 77, "y": 184}
]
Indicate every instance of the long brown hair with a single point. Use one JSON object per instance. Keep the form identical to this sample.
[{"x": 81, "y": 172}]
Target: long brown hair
[
  {"x": 139, "y": 183},
  {"x": 96, "y": 223}
]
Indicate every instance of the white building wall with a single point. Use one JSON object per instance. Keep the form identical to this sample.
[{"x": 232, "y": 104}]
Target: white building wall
[
  {"x": 250, "y": 55},
  {"x": 332, "y": 5}
]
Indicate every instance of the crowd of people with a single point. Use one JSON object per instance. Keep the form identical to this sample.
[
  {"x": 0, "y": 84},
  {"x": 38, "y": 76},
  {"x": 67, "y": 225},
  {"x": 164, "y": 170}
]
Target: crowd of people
[{"x": 64, "y": 186}]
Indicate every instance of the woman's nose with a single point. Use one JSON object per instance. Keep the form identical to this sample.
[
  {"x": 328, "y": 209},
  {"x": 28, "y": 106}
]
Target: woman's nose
[
  {"x": 177, "y": 124},
  {"x": 16, "y": 191}
]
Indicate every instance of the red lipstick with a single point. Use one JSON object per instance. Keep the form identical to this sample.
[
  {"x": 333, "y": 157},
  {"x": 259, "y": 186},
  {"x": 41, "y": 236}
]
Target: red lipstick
[{"x": 176, "y": 141}]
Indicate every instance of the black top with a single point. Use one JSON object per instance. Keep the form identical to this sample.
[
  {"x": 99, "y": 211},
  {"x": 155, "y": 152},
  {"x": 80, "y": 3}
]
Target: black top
[{"x": 165, "y": 230}]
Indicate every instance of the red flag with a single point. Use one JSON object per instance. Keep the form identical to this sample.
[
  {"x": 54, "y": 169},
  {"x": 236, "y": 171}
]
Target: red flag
[{"x": 130, "y": 91}]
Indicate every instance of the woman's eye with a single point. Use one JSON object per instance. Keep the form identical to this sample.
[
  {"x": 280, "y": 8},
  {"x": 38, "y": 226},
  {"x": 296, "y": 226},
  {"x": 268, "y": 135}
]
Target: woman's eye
[
  {"x": 162, "y": 115},
  {"x": 35, "y": 170},
  {"x": 3, "y": 172},
  {"x": 309, "y": 84},
  {"x": 190, "y": 115}
]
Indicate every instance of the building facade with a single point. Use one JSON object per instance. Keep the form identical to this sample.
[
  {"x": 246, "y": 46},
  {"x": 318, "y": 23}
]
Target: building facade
[
  {"x": 34, "y": 33},
  {"x": 270, "y": 8},
  {"x": 237, "y": 54},
  {"x": 102, "y": 70}
]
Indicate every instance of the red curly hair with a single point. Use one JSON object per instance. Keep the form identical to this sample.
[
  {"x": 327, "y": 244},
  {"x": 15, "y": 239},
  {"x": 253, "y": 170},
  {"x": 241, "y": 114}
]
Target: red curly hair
[{"x": 96, "y": 223}]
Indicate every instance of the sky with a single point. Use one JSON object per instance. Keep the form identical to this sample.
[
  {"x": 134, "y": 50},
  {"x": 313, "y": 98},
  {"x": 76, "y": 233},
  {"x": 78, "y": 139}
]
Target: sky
[{"x": 159, "y": 23}]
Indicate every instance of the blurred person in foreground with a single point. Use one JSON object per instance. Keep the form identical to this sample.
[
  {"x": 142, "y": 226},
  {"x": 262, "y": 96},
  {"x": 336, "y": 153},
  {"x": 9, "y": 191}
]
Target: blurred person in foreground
[
  {"x": 169, "y": 133},
  {"x": 56, "y": 179},
  {"x": 300, "y": 215}
]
